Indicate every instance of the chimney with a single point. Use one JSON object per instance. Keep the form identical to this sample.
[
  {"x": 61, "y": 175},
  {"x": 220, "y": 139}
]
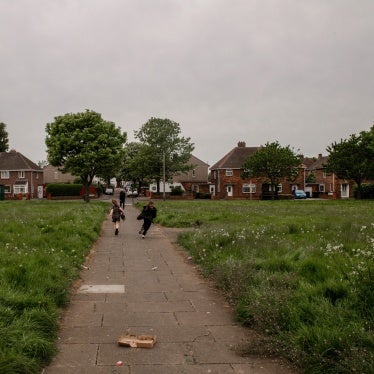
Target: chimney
[
  {"x": 319, "y": 156},
  {"x": 241, "y": 144}
]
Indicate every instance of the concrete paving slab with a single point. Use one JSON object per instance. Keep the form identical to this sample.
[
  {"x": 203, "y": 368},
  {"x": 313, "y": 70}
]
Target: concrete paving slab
[
  {"x": 102, "y": 288},
  {"x": 149, "y": 287}
]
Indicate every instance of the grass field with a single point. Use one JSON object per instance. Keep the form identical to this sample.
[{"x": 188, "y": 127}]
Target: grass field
[
  {"x": 299, "y": 272},
  {"x": 42, "y": 247}
]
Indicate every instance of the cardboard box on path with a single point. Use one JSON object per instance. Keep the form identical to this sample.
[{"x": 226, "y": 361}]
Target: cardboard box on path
[{"x": 141, "y": 341}]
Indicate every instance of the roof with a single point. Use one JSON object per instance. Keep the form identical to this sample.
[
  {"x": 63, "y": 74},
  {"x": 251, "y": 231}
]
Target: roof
[
  {"x": 14, "y": 160},
  {"x": 319, "y": 163},
  {"x": 194, "y": 160},
  {"x": 235, "y": 158}
]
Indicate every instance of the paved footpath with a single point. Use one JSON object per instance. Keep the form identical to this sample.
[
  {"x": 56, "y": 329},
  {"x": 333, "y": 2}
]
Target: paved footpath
[{"x": 148, "y": 286}]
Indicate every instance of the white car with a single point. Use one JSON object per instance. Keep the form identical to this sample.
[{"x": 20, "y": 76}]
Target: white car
[
  {"x": 132, "y": 193},
  {"x": 109, "y": 191}
]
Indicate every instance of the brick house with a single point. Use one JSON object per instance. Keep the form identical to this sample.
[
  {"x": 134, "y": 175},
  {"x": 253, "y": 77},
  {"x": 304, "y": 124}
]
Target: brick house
[
  {"x": 322, "y": 184},
  {"x": 20, "y": 177},
  {"x": 193, "y": 181},
  {"x": 196, "y": 179},
  {"x": 227, "y": 183},
  {"x": 53, "y": 175}
]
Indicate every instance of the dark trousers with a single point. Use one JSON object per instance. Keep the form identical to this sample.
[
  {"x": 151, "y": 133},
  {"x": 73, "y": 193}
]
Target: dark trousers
[
  {"x": 122, "y": 204},
  {"x": 146, "y": 225}
]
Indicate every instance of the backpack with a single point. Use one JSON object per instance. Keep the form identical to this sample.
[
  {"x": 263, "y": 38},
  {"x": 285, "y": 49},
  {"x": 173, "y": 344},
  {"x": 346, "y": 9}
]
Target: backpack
[{"x": 116, "y": 212}]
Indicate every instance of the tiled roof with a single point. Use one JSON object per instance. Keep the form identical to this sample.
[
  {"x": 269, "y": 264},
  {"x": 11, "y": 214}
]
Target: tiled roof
[
  {"x": 14, "y": 160},
  {"x": 235, "y": 158},
  {"x": 193, "y": 160},
  {"x": 320, "y": 163}
]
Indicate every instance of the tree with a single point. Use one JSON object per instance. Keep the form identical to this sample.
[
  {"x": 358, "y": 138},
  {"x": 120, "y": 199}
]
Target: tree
[
  {"x": 85, "y": 145},
  {"x": 164, "y": 147},
  {"x": 352, "y": 158},
  {"x": 4, "y": 141},
  {"x": 136, "y": 164},
  {"x": 272, "y": 163},
  {"x": 42, "y": 163}
]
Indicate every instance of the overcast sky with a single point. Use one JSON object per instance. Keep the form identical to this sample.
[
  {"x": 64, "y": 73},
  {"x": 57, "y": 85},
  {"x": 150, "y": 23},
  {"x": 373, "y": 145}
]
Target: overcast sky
[{"x": 300, "y": 72}]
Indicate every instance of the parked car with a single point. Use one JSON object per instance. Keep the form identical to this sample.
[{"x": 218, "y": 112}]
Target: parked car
[
  {"x": 132, "y": 193},
  {"x": 300, "y": 194},
  {"x": 109, "y": 191}
]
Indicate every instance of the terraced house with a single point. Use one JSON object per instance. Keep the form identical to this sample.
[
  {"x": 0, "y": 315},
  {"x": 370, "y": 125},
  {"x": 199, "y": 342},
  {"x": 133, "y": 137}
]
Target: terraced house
[
  {"x": 226, "y": 181},
  {"x": 19, "y": 177}
]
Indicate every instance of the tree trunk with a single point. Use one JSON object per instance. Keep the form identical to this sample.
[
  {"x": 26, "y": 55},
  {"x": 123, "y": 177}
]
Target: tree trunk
[{"x": 86, "y": 192}]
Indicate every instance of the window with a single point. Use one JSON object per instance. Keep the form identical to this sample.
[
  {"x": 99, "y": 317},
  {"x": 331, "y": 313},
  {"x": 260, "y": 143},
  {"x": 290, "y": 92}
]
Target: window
[
  {"x": 193, "y": 173},
  {"x": 278, "y": 188},
  {"x": 249, "y": 188},
  {"x": 324, "y": 174},
  {"x": 56, "y": 174},
  {"x": 215, "y": 174},
  {"x": 6, "y": 189},
  {"x": 321, "y": 188},
  {"x": 229, "y": 173},
  {"x": 21, "y": 174},
  {"x": 4, "y": 174},
  {"x": 20, "y": 187}
]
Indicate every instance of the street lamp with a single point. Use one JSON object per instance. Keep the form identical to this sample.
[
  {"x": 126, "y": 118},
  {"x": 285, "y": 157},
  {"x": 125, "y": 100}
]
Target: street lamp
[{"x": 164, "y": 173}]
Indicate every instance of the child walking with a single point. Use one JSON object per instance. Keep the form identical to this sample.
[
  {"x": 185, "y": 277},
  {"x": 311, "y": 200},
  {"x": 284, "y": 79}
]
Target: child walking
[{"x": 116, "y": 212}]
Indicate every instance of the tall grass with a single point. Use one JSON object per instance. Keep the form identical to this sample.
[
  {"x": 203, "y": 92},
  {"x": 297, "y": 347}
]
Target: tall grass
[
  {"x": 299, "y": 272},
  {"x": 42, "y": 245}
]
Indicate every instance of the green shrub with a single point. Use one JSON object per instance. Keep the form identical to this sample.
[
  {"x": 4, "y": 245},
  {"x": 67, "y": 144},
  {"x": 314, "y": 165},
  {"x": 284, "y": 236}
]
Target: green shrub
[
  {"x": 62, "y": 189},
  {"x": 203, "y": 195},
  {"x": 176, "y": 191},
  {"x": 367, "y": 191}
]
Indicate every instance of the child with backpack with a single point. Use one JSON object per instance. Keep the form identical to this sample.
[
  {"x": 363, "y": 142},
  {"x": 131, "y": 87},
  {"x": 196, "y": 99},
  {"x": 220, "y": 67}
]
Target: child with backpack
[{"x": 116, "y": 213}]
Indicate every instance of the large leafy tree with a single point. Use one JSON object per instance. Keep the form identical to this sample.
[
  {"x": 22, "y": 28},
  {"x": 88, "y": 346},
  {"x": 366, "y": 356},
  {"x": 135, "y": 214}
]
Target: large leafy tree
[
  {"x": 136, "y": 165},
  {"x": 85, "y": 145},
  {"x": 352, "y": 158},
  {"x": 164, "y": 149},
  {"x": 4, "y": 140},
  {"x": 272, "y": 163}
]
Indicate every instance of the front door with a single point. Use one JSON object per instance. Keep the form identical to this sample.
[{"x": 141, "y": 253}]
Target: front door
[
  {"x": 229, "y": 191},
  {"x": 212, "y": 189},
  {"x": 345, "y": 191}
]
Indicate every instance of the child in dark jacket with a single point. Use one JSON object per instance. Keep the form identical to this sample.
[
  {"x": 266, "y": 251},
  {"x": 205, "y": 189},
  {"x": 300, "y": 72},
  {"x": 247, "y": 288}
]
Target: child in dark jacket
[{"x": 148, "y": 214}]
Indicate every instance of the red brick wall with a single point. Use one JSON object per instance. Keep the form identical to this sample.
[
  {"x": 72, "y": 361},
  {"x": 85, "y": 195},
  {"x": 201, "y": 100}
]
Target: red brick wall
[{"x": 33, "y": 183}]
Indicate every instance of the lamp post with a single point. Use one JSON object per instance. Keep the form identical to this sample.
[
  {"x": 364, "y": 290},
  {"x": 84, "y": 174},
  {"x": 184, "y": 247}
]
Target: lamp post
[{"x": 164, "y": 174}]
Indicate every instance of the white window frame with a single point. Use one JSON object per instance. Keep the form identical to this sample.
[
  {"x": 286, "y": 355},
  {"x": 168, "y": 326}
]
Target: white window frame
[
  {"x": 249, "y": 188},
  {"x": 20, "y": 188},
  {"x": 21, "y": 174},
  {"x": 229, "y": 172},
  {"x": 279, "y": 188},
  {"x": 7, "y": 189},
  {"x": 321, "y": 187},
  {"x": 5, "y": 174},
  {"x": 193, "y": 173}
]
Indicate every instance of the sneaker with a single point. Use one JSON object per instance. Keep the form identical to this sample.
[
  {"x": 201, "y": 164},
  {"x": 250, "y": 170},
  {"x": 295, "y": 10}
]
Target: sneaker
[
  {"x": 143, "y": 236},
  {"x": 116, "y": 232}
]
